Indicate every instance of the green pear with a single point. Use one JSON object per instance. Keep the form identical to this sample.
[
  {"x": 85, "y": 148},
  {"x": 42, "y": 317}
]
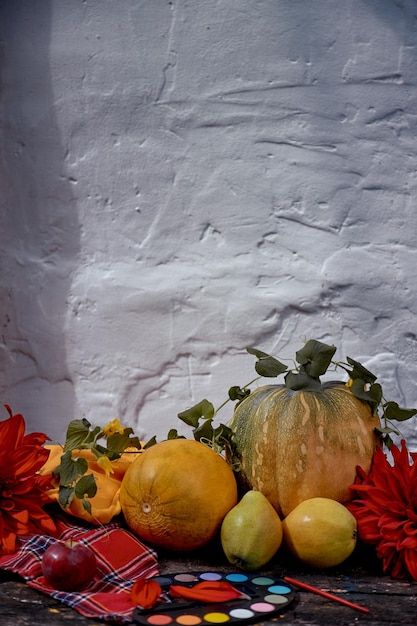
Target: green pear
[{"x": 251, "y": 532}]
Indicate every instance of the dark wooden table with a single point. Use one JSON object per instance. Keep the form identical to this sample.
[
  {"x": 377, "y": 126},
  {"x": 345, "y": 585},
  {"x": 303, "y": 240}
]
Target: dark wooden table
[{"x": 359, "y": 580}]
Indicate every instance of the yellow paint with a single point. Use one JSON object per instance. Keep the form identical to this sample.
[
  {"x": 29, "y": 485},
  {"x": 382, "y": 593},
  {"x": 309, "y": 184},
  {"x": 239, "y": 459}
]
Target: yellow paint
[{"x": 216, "y": 618}]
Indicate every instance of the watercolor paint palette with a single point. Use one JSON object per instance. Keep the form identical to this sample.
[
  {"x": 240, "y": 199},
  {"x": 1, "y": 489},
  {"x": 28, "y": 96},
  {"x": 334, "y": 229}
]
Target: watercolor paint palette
[{"x": 265, "y": 597}]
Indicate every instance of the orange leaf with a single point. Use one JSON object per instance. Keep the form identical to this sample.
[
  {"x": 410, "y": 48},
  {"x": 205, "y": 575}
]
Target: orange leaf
[
  {"x": 145, "y": 592},
  {"x": 207, "y": 591}
]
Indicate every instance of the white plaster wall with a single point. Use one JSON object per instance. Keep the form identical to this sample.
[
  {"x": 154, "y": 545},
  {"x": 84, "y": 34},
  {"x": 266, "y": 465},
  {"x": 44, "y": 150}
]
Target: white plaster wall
[{"x": 179, "y": 180}]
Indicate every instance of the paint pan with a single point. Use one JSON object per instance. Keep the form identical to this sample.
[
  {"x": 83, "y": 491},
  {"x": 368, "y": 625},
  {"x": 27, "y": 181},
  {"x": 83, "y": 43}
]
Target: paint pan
[{"x": 265, "y": 597}]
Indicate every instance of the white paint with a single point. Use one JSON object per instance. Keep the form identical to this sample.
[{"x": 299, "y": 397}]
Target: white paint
[{"x": 181, "y": 179}]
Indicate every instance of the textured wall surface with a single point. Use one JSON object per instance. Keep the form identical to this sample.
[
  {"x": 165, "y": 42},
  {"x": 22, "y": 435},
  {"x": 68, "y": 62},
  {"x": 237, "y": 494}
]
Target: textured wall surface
[{"x": 182, "y": 179}]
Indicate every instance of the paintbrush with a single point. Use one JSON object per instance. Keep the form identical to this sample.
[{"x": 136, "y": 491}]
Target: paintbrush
[{"x": 325, "y": 594}]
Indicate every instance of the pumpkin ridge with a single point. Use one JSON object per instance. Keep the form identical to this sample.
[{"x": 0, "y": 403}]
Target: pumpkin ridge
[{"x": 307, "y": 413}]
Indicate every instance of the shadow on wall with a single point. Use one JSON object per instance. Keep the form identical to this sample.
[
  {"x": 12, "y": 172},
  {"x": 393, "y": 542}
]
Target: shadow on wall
[
  {"x": 39, "y": 229},
  {"x": 388, "y": 10}
]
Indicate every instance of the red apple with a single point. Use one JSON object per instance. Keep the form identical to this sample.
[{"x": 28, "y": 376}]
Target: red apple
[{"x": 68, "y": 566}]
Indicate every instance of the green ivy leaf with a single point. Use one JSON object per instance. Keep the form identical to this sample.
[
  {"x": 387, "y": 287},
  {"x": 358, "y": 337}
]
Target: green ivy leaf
[
  {"x": 301, "y": 380},
  {"x": 65, "y": 495},
  {"x": 173, "y": 434},
  {"x": 86, "y": 486},
  {"x": 79, "y": 434},
  {"x": 69, "y": 470},
  {"x": 152, "y": 441},
  {"x": 388, "y": 441},
  {"x": 387, "y": 430},
  {"x": 86, "y": 506},
  {"x": 203, "y": 410},
  {"x": 385, "y": 433},
  {"x": 224, "y": 434},
  {"x": 118, "y": 442},
  {"x": 372, "y": 395},
  {"x": 359, "y": 371},
  {"x": 258, "y": 353},
  {"x": 204, "y": 431},
  {"x": 99, "y": 450},
  {"x": 224, "y": 441},
  {"x": 315, "y": 357},
  {"x": 236, "y": 393},
  {"x": 393, "y": 412},
  {"x": 267, "y": 365}
]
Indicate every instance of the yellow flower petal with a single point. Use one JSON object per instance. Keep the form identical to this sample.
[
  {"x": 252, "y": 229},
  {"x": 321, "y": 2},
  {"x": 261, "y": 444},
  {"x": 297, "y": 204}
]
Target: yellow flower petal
[
  {"x": 112, "y": 427},
  {"x": 105, "y": 464}
]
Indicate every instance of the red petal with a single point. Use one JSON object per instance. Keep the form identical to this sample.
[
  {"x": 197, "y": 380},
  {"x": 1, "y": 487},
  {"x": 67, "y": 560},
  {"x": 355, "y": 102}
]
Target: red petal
[
  {"x": 7, "y": 541},
  {"x": 145, "y": 593},
  {"x": 35, "y": 439},
  {"x": 385, "y": 506},
  {"x": 207, "y": 591},
  {"x": 27, "y": 460},
  {"x": 410, "y": 562},
  {"x": 12, "y": 432}
]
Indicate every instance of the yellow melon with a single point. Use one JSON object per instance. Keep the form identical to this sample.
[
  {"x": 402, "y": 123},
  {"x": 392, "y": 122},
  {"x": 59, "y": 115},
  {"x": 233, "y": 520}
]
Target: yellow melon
[{"x": 176, "y": 494}]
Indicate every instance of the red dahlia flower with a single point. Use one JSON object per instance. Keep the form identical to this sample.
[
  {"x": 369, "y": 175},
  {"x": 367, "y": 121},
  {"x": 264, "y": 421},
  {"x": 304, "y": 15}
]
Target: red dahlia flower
[
  {"x": 385, "y": 506},
  {"x": 22, "y": 490}
]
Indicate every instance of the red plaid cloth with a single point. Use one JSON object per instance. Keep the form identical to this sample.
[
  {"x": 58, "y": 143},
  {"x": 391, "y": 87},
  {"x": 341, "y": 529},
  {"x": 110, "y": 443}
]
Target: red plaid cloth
[{"x": 121, "y": 559}]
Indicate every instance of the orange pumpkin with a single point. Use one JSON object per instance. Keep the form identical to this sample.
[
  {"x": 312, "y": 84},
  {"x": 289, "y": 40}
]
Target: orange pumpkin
[
  {"x": 176, "y": 494},
  {"x": 296, "y": 445}
]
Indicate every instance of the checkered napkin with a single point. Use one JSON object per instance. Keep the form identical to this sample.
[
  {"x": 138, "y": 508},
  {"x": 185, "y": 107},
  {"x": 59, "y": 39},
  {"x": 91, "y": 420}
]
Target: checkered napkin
[{"x": 121, "y": 559}]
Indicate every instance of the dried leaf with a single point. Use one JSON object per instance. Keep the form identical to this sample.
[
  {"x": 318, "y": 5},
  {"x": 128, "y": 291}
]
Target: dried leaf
[
  {"x": 207, "y": 591},
  {"x": 145, "y": 593}
]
